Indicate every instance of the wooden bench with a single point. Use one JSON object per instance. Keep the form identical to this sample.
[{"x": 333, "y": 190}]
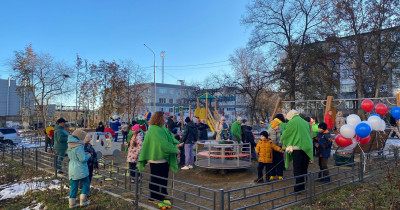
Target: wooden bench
[{"x": 375, "y": 145}]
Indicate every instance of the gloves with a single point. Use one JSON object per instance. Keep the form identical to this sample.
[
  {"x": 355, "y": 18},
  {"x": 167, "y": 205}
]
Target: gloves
[
  {"x": 283, "y": 147},
  {"x": 289, "y": 149}
]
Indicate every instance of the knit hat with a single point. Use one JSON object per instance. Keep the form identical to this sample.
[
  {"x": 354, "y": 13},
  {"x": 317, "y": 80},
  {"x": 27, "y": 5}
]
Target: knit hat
[
  {"x": 80, "y": 134},
  {"x": 264, "y": 133},
  {"x": 291, "y": 114},
  {"x": 323, "y": 126},
  {"x": 225, "y": 125},
  {"x": 187, "y": 119},
  {"x": 238, "y": 118},
  {"x": 174, "y": 131},
  {"x": 244, "y": 121},
  {"x": 275, "y": 122},
  {"x": 136, "y": 127}
]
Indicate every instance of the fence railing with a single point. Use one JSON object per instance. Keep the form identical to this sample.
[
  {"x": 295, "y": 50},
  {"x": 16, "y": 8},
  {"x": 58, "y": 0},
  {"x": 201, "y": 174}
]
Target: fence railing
[{"x": 184, "y": 195}]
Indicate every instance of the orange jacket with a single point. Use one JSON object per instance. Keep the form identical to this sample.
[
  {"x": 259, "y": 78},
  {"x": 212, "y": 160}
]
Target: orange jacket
[{"x": 264, "y": 150}]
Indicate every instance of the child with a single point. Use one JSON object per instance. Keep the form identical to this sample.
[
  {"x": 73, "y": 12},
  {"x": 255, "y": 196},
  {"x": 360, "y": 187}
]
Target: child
[
  {"x": 78, "y": 170},
  {"x": 226, "y": 135},
  {"x": 134, "y": 148},
  {"x": 92, "y": 162},
  {"x": 277, "y": 160},
  {"x": 324, "y": 150},
  {"x": 264, "y": 151}
]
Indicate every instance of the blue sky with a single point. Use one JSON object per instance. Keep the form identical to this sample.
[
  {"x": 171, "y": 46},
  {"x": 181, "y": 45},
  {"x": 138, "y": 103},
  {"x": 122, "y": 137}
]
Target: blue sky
[{"x": 191, "y": 32}]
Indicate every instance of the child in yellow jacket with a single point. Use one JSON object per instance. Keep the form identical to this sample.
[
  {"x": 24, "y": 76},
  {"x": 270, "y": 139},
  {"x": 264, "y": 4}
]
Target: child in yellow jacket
[{"x": 264, "y": 151}]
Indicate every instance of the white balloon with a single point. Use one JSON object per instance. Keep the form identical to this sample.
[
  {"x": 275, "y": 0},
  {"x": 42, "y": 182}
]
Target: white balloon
[
  {"x": 375, "y": 122},
  {"x": 370, "y": 125},
  {"x": 348, "y": 131},
  {"x": 353, "y": 119},
  {"x": 383, "y": 125}
]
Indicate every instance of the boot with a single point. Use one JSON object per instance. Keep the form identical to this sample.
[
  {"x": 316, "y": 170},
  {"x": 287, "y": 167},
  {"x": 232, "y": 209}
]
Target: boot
[
  {"x": 72, "y": 203},
  {"x": 280, "y": 177},
  {"x": 83, "y": 200},
  {"x": 271, "y": 178}
]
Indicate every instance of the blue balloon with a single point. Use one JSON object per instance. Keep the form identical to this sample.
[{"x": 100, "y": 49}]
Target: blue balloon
[
  {"x": 363, "y": 130},
  {"x": 395, "y": 112},
  {"x": 375, "y": 115}
]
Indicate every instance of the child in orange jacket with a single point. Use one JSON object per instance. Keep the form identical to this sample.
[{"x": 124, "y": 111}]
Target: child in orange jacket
[{"x": 264, "y": 151}]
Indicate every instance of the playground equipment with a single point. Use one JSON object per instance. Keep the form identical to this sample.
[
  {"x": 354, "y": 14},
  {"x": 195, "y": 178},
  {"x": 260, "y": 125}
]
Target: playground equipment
[
  {"x": 212, "y": 117},
  {"x": 212, "y": 155},
  {"x": 104, "y": 145}
]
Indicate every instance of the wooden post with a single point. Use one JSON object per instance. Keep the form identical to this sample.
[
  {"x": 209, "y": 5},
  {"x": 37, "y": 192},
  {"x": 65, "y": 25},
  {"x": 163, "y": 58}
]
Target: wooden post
[
  {"x": 173, "y": 111},
  {"x": 398, "y": 99},
  {"x": 276, "y": 108},
  {"x": 206, "y": 106},
  {"x": 190, "y": 111},
  {"x": 198, "y": 103},
  {"x": 328, "y": 104}
]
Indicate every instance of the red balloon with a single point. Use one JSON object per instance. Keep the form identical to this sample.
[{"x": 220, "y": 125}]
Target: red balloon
[
  {"x": 363, "y": 140},
  {"x": 381, "y": 109},
  {"x": 367, "y": 105},
  {"x": 110, "y": 131},
  {"x": 342, "y": 141}
]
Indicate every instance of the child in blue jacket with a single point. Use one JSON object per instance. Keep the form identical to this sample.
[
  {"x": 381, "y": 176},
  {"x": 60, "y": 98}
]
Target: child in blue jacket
[{"x": 323, "y": 143}]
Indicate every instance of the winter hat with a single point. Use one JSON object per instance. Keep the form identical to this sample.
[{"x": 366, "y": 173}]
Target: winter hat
[
  {"x": 80, "y": 134},
  {"x": 275, "y": 122},
  {"x": 264, "y": 133},
  {"x": 225, "y": 125},
  {"x": 187, "y": 119},
  {"x": 100, "y": 123},
  {"x": 323, "y": 126},
  {"x": 238, "y": 118},
  {"x": 291, "y": 114},
  {"x": 136, "y": 127},
  {"x": 244, "y": 121},
  {"x": 222, "y": 118}
]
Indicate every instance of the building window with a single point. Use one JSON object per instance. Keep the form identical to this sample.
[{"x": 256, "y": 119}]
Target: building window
[
  {"x": 178, "y": 101},
  {"x": 162, "y": 90},
  {"x": 162, "y": 100},
  {"x": 171, "y": 110},
  {"x": 171, "y": 100}
]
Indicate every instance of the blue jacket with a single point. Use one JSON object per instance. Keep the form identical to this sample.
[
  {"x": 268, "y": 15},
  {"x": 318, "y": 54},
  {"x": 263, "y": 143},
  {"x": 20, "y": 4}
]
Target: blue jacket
[
  {"x": 78, "y": 168},
  {"x": 115, "y": 125},
  {"x": 325, "y": 145},
  {"x": 60, "y": 138}
]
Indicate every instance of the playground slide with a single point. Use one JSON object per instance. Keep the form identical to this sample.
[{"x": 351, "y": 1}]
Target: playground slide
[{"x": 211, "y": 127}]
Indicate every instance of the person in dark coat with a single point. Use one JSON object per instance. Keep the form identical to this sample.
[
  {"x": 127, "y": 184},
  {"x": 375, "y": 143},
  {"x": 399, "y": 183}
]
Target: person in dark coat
[
  {"x": 249, "y": 137},
  {"x": 203, "y": 130},
  {"x": 100, "y": 128},
  {"x": 171, "y": 124},
  {"x": 92, "y": 162},
  {"x": 190, "y": 136}
]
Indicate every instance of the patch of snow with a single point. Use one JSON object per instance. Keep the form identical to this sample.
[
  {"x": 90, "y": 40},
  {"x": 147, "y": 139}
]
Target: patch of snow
[
  {"x": 19, "y": 189},
  {"x": 4, "y": 164},
  {"x": 37, "y": 207}
]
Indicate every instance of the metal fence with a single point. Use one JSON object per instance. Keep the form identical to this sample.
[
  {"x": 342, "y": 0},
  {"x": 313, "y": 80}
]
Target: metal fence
[{"x": 183, "y": 195}]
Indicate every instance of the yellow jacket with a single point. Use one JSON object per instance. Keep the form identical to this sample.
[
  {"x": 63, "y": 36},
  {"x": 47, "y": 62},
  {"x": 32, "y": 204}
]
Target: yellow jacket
[{"x": 264, "y": 150}]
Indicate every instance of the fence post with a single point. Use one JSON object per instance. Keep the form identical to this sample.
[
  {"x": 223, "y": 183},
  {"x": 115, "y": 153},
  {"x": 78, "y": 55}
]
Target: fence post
[
  {"x": 310, "y": 184},
  {"x": 361, "y": 172},
  {"x": 222, "y": 202},
  {"x": 136, "y": 186},
  {"x": 36, "y": 159},
  {"x": 22, "y": 155}
]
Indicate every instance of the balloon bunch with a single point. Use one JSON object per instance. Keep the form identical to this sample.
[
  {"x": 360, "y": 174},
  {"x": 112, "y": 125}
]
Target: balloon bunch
[{"x": 361, "y": 130}]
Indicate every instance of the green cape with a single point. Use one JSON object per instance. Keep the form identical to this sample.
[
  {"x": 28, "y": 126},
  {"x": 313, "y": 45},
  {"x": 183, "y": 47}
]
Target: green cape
[
  {"x": 158, "y": 144},
  {"x": 236, "y": 130},
  {"x": 297, "y": 133}
]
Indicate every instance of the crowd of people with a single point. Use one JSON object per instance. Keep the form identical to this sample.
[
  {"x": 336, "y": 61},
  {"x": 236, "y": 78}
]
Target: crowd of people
[{"x": 288, "y": 137}]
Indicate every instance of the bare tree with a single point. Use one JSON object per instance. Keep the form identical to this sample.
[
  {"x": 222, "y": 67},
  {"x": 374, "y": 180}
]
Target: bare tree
[
  {"x": 41, "y": 77},
  {"x": 287, "y": 27}
]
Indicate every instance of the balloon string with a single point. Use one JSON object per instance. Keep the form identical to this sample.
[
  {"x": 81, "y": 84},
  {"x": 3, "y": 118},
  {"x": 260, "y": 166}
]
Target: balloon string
[{"x": 364, "y": 161}]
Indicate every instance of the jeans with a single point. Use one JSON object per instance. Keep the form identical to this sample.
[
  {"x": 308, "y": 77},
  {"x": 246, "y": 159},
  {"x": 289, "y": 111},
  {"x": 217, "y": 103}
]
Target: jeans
[
  {"x": 277, "y": 164},
  {"x": 300, "y": 166},
  {"x": 75, "y": 184},
  {"x": 116, "y": 137},
  {"x": 132, "y": 172},
  {"x": 124, "y": 136},
  {"x": 60, "y": 157},
  {"x": 189, "y": 155},
  {"x": 182, "y": 157},
  {"x": 162, "y": 170}
]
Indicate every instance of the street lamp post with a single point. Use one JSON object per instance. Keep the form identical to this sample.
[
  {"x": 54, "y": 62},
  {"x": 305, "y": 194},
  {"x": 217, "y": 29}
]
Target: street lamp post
[{"x": 154, "y": 103}]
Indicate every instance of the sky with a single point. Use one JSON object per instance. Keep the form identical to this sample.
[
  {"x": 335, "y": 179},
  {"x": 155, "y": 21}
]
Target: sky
[{"x": 191, "y": 33}]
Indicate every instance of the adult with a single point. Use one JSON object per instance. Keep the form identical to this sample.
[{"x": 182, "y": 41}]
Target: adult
[
  {"x": 339, "y": 121},
  {"x": 125, "y": 130},
  {"x": 203, "y": 130},
  {"x": 299, "y": 147},
  {"x": 329, "y": 121},
  {"x": 236, "y": 129},
  {"x": 170, "y": 123},
  {"x": 394, "y": 130},
  {"x": 115, "y": 124},
  {"x": 60, "y": 142},
  {"x": 100, "y": 127},
  {"x": 159, "y": 149},
  {"x": 78, "y": 171},
  {"x": 219, "y": 127},
  {"x": 249, "y": 138},
  {"x": 190, "y": 136}
]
